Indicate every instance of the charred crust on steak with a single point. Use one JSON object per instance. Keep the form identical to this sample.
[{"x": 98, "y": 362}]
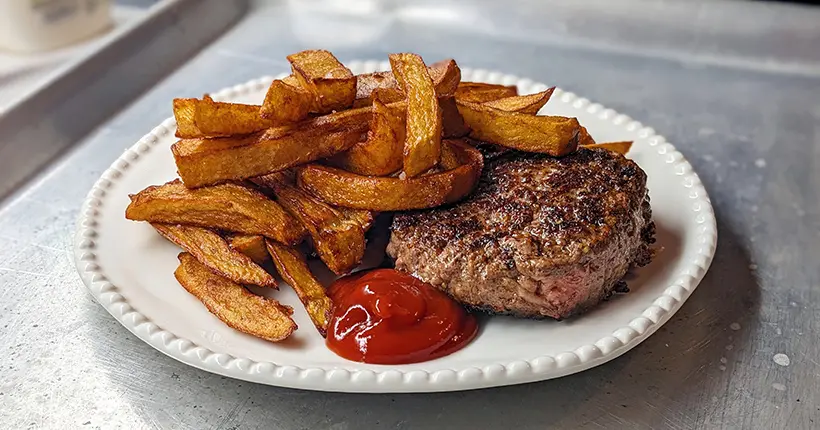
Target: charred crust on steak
[
  {"x": 561, "y": 212},
  {"x": 533, "y": 217}
]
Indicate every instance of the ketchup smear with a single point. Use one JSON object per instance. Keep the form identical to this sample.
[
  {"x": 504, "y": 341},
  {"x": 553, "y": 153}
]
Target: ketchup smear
[{"x": 384, "y": 316}]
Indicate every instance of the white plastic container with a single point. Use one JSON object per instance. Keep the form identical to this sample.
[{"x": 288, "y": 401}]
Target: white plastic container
[{"x": 41, "y": 25}]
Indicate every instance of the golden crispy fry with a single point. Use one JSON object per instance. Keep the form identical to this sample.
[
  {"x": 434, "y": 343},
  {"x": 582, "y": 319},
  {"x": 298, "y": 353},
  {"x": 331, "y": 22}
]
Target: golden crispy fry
[
  {"x": 211, "y": 161},
  {"x": 215, "y": 253},
  {"x": 452, "y": 124},
  {"x": 449, "y": 158},
  {"x": 339, "y": 242},
  {"x": 286, "y": 102},
  {"x": 553, "y": 135},
  {"x": 381, "y": 153},
  {"x": 383, "y": 82},
  {"x": 619, "y": 147},
  {"x": 478, "y": 92},
  {"x": 529, "y": 104},
  {"x": 251, "y": 245},
  {"x": 332, "y": 84},
  {"x": 346, "y": 189},
  {"x": 207, "y": 118},
  {"x": 584, "y": 138},
  {"x": 294, "y": 270},
  {"x": 365, "y": 218},
  {"x": 228, "y": 207},
  {"x": 422, "y": 148},
  {"x": 233, "y": 304},
  {"x": 444, "y": 74}
]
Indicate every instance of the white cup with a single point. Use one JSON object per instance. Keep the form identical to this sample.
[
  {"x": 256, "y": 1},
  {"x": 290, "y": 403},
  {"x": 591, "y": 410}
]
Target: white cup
[{"x": 42, "y": 25}]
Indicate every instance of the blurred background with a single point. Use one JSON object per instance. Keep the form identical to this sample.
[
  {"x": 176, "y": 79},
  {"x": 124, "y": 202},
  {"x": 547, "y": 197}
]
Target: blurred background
[{"x": 733, "y": 84}]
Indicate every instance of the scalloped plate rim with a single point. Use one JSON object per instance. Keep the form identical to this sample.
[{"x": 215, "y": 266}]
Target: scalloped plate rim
[{"x": 387, "y": 380}]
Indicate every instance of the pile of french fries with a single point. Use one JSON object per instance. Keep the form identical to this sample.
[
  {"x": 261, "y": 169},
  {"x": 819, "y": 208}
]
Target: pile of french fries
[{"x": 325, "y": 152}]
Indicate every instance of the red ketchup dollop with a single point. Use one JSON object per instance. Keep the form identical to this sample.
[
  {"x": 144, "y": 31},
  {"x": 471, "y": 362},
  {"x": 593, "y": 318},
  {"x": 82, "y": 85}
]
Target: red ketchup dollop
[{"x": 384, "y": 316}]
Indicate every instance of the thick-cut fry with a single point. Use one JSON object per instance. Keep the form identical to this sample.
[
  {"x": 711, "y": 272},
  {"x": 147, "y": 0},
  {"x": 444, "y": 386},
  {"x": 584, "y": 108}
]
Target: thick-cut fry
[
  {"x": 383, "y": 82},
  {"x": 452, "y": 124},
  {"x": 206, "y": 118},
  {"x": 584, "y": 138},
  {"x": 215, "y": 253},
  {"x": 339, "y": 242},
  {"x": 332, "y": 84},
  {"x": 529, "y": 104},
  {"x": 422, "y": 148},
  {"x": 445, "y": 76},
  {"x": 365, "y": 218},
  {"x": 286, "y": 102},
  {"x": 619, "y": 147},
  {"x": 228, "y": 207},
  {"x": 479, "y": 92},
  {"x": 233, "y": 304},
  {"x": 382, "y": 194},
  {"x": 553, "y": 135},
  {"x": 251, "y": 245},
  {"x": 294, "y": 270},
  {"x": 449, "y": 158},
  {"x": 204, "y": 162},
  {"x": 381, "y": 153}
]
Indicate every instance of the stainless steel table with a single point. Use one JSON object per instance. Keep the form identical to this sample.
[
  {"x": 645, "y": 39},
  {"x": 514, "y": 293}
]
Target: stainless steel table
[{"x": 735, "y": 85}]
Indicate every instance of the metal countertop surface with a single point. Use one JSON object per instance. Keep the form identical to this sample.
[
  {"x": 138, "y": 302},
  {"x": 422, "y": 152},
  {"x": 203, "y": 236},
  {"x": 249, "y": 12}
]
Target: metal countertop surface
[{"x": 741, "y": 101}]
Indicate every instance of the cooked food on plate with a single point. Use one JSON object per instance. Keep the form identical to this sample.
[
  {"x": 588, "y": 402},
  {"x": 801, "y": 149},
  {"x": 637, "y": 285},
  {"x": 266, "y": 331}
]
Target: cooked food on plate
[
  {"x": 394, "y": 194},
  {"x": 539, "y": 237},
  {"x": 231, "y": 207},
  {"x": 418, "y": 322},
  {"x": 338, "y": 240},
  {"x": 214, "y": 252},
  {"x": 291, "y": 265},
  {"x": 494, "y": 207},
  {"x": 234, "y": 304}
]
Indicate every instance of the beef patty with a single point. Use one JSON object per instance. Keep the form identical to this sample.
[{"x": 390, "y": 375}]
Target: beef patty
[{"x": 539, "y": 237}]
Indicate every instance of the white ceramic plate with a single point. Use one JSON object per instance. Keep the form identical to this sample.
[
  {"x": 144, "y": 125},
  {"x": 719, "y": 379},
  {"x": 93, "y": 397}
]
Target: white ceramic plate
[{"x": 129, "y": 269}]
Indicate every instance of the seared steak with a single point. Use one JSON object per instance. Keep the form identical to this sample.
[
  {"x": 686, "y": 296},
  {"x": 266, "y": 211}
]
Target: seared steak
[{"x": 540, "y": 236}]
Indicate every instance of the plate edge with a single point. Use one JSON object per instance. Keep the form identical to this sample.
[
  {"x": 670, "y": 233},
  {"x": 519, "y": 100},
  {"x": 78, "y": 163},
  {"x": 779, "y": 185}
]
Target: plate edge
[{"x": 538, "y": 368}]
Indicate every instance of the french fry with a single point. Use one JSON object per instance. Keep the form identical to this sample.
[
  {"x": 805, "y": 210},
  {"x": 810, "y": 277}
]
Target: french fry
[
  {"x": 233, "y": 304},
  {"x": 449, "y": 158},
  {"x": 215, "y": 253},
  {"x": 332, "y": 84},
  {"x": 230, "y": 207},
  {"x": 365, "y": 218},
  {"x": 619, "y": 147},
  {"x": 584, "y": 138},
  {"x": 211, "y": 161},
  {"x": 294, "y": 270},
  {"x": 529, "y": 104},
  {"x": 479, "y": 92},
  {"x": 339, "y": 242},
  {"x": 553, "y": 135},
  {"x": 381, "y": 153},
  {"x": 422, "y": 148},
  {"x": 452, "y": 124},
  {"x": 445, "y": 76},
  {"x": 384, "y": 194},
  {"x": 382, "y": 82},
  {"x": 252, "y": 245},
  {"x": 286, "y": 102},
  {"x": 206, "y": 118}
]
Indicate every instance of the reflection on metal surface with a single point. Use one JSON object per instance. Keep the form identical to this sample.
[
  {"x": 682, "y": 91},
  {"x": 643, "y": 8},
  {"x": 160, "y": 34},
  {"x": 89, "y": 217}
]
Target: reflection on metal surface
[
  {"x": 84, "y": 92},
  {"x": 68, "y": 363},
  {"x": 336, "y": 23}
]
